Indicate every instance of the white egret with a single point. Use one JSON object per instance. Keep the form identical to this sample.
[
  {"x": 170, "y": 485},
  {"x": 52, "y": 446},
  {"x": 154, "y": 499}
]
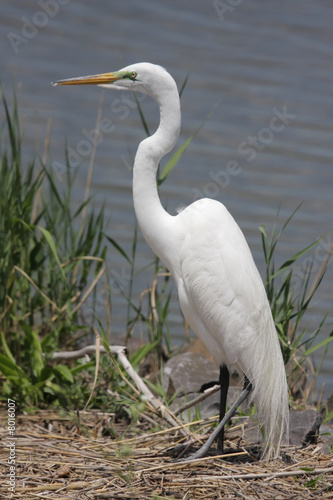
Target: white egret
[{"x": 220, "y": 291}]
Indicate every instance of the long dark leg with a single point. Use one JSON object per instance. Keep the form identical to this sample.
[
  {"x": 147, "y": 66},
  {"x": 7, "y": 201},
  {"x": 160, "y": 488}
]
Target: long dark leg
[
  {"x": 224, "y": 386},
  {"x": 204, "y": 449},
  {"x": 247, "y": 384}
]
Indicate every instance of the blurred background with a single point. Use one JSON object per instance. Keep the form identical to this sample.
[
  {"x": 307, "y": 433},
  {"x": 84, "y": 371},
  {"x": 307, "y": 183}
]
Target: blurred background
[{"x": 264, "y": 68}]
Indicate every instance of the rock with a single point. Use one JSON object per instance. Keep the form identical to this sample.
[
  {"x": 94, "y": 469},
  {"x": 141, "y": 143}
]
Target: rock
[
  {"x": 198, "y": 347},
  {"x": 325, "y": 440},
  {"x": 185, "y": 374},
  {"x": 326, "y": 430},
  {"x": 304, "y": 427}
]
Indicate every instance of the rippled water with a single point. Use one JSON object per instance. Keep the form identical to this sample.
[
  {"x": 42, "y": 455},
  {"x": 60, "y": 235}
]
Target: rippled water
[{"x": 248, "y": 62}]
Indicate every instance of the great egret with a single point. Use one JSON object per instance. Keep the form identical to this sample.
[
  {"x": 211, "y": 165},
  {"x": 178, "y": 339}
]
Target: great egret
[{"x": 221, "y": 293}]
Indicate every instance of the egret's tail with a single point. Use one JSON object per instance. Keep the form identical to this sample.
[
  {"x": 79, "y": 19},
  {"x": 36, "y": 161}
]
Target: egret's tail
[{"x": 270, "y": 390}]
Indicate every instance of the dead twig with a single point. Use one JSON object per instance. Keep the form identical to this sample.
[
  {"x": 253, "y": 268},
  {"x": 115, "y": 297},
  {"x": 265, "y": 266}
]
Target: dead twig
[{"x": 163, "y": 411}]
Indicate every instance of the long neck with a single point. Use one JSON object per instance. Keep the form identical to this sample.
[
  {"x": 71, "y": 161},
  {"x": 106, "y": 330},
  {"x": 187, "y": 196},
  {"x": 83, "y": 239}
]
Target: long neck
[{"x": 155, "y": 223}]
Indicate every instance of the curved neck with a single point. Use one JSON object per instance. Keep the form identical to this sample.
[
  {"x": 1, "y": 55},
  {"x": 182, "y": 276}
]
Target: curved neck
[{"x": 153, "y": 220}]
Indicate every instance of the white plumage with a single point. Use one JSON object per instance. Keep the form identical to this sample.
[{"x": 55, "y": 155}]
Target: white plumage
[
  {"x": 224, "y": 301},
  {"x": 220, "y": 290}
]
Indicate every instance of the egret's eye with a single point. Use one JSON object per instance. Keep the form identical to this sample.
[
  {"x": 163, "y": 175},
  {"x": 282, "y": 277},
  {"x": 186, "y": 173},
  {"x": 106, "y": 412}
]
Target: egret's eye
[{"x": 133, "y": 75}]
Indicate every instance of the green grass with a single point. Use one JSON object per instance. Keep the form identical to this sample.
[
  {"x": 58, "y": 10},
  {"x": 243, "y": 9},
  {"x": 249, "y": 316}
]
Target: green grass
[
  {"x": 52, "y": 259},
  {"x": 49, "y": 252},
  {"x": 291, "y": 299}
]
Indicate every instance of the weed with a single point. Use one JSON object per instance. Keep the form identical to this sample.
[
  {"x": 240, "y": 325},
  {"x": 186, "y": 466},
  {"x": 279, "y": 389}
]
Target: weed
[{"x": 290, "y": 302}]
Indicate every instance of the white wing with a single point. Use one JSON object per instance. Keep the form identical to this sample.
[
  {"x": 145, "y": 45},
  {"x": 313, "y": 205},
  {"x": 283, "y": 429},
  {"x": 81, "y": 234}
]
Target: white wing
[{"x": 220, "y": 290}]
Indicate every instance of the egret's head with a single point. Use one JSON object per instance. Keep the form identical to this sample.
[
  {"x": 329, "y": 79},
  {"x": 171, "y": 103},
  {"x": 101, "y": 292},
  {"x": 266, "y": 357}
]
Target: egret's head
[{"x": 142, "y": 77}]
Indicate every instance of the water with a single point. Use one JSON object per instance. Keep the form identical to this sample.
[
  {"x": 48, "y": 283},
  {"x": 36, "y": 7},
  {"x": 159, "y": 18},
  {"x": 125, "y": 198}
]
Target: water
[{"x": 250, "y": 63}]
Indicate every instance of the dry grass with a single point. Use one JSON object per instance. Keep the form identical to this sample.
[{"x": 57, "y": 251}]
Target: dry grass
[{"x": 60, "y": 458}]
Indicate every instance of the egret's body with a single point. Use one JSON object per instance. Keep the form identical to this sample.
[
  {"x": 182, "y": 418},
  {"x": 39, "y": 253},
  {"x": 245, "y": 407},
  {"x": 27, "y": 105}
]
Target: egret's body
[{"x": 220, "y": 290}]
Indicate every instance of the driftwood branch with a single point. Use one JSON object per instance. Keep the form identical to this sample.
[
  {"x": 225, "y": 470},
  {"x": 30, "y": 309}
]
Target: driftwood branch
[
  {"x": 120, "y": 351},
  {"x": 89, "y": 349}
]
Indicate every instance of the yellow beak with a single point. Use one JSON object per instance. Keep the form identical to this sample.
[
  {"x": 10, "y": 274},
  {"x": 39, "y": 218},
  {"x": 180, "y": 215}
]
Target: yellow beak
[{"x": 100, "y": 79}]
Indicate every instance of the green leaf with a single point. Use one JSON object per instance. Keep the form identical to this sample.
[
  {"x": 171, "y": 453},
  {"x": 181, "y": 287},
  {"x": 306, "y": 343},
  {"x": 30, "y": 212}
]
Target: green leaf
[
  {"x": 312, "y": 483},
  {"x": 80, "y": 368},
  {"x": 55, "y": 388},
  {"x": 38, "y": 362},
  {"x": 37, "y": 256},
  {"x": 103, "y": 337},
  {"x": 6, "y": 348},
  {"x": 182, "y": 88},
  {"x": 142, "y": 116},
  {"x": 318, "y": 346},
  {"x": 290, "y": 261},
  {"x": 142, "y": 352},
  {"x": 65, "y": 372},
  {"x": 327, "y": 417},
  {"x": 50, "y": 241},
  {"x": 7, "y": 367},
  {"x": 10, "y": 370},
  {"x": 119, "y": 248}
]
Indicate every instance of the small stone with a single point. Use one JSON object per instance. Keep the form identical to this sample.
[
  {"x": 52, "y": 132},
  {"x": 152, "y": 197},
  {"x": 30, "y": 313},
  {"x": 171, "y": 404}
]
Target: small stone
[{"x": 304, "y": 427}]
